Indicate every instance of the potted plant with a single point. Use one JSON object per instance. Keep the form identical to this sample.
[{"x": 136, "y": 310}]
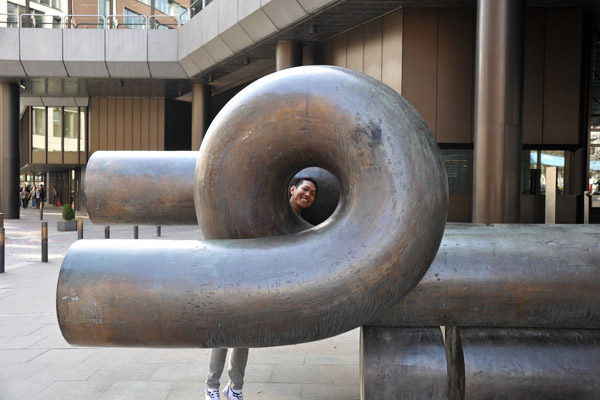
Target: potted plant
[{"x": 68, "y": 222}]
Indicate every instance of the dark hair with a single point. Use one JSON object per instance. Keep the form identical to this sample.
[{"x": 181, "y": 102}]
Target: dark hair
[{"x": 298, "y": 181}]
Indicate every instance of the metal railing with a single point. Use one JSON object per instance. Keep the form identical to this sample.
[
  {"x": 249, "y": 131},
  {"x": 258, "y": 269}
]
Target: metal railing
[
  {"x": 193, "y": 9},
  {"x": 169, "y": 21},
  {"x": 84, "y": 21},
  {"x": 128, "y": 21},
  {"x": 39, "y": 20},
  {"x": 7, "y": 20},
  {"x": 73, "y": 21}
]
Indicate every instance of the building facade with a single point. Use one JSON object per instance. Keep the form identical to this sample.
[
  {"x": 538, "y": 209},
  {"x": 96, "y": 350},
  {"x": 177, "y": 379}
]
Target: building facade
[{"x": 501, "y": 111}]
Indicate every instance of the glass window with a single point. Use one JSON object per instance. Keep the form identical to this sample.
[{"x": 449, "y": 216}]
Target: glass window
[
  {"x": 71, "y": 128},
  {"x": 553, "y": 158},
  {"x": 595, "y": 135},
  {"x": 529, "y": 172},
  {"x": 82, "y": 128},
  {"x": 11, "y": 8},
  {"x": 594, "y": 170},
  {"x": 38, "y": 129},
  {"x": 162, "y": 6},
  {"x": 458, "y": 169},
  {"x": 133, "y": 20},
  {"x": 38, "y": 20},
  {"x": 56, "y": 4},
  {"x": 55, "y": 129}
]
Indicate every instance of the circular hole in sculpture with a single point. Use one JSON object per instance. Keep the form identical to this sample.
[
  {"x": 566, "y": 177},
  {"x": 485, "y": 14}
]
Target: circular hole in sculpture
[{"x": 327, "y": 198}]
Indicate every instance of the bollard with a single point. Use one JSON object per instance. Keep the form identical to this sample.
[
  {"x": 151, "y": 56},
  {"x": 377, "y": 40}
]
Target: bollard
[
  {"x": 44, "y": 242},
  {"x": 135, "y": 232},
  {"x": 79, "y": 228},
  {"x": 2, "y": 239},
  {"x": 41, "y": 210},
  {"x": 107, "y": 232},
  {"x": 586, "y": 207},
  {"x": 550, "y": 215},
  {"x": 158, "y": 231}
]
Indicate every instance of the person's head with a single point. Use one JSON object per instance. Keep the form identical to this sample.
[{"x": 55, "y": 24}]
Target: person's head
[{"x": 303, "y": 192}]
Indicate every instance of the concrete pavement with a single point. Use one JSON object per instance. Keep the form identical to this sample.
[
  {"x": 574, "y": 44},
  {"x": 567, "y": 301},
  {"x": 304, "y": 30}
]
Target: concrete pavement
[{"x": 37, "y": 363}]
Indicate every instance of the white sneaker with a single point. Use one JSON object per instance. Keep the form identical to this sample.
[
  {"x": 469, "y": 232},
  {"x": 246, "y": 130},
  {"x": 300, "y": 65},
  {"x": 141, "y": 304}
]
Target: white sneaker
[
  {"x": 211, "y": 394},
  {"x": 233, "y": 394}
]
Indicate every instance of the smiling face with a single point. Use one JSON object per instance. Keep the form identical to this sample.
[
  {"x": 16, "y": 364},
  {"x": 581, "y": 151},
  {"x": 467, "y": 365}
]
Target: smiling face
[{"x": 303, "y": 195}]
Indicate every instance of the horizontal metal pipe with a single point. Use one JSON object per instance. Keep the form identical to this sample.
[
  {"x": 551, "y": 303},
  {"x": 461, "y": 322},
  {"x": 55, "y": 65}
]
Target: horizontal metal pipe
[
  {"x": 284, "y": 286},
  {"x": 507, "y": 276},
  {"x": 141, "y": 187},
  {"x": 523, "y": 363},
  {"x": 406, "y": 363},
  {"x": 113, "y": 204}
]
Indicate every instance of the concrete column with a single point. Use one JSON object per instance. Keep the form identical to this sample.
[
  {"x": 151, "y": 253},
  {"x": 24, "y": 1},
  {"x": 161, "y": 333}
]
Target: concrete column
[
  {"x": 200, "y": 113},
  {"x": 288, "y": 54},
  {"x": 9, "y": 149},
  {"x": 498, "y": 111}
]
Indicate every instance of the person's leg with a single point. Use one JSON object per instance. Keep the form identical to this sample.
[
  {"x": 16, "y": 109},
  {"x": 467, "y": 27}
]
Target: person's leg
[
  {"x": 215, "y": 367},
  {"x": 237, "y": 368}
]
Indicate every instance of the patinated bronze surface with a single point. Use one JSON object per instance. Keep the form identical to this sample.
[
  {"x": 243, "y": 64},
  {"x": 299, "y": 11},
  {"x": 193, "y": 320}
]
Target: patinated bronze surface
[
  {"x": 487, "y": 363},
  {"x": 112, "y": 178},
  {"x": 403, "y": 363},
  {"x": 141, "y": 187},
  {"x": 275, "y": 285},
  {"x": 507, "y": 276}
]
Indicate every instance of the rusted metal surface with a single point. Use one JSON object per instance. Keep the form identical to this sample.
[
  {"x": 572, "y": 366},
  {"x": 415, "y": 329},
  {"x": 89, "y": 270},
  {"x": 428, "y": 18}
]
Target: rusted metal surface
[
  {"x": 508, "y": 276},
  {"x": 141, "y": 187},
  {"x": 402, "y": 363},
  {"x": 523, "y": 363},
  {"x": 283, "y": 286}
]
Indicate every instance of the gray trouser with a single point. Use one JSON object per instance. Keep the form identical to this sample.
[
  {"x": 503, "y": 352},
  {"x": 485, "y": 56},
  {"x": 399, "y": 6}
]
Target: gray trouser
[{"x": 237, "y": 367}]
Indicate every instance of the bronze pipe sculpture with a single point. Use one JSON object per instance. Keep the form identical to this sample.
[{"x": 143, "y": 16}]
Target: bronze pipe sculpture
[
  {"x": 141, "y": 187},
  {"x": 275, "y": 285},
  {"x": 121, "y": 187},
  {"x": 507, "y": 276},
  {"x": 493, "y": 363}
]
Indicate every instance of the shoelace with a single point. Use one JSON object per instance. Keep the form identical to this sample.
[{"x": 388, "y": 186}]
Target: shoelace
[{"x": 213, "y": 395}]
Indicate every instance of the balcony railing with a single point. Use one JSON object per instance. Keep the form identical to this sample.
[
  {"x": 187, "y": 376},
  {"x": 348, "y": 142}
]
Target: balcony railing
[{"x": 87, "y": 21}]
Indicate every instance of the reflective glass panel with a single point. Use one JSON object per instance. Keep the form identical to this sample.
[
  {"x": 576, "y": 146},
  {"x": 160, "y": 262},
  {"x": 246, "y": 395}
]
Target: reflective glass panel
[
  {"x": 71, "y": 128},
  {"x": 12, "y": 20},
  {"x": 553, "y": 158},
  {"x": 458, "y": 169},
  {"x": 595, "y": 135},
  {"x": 133, "y": 20},
  {"x": 55, "y": 129},
  {"x": 530, "y": 172},
  {"x": 38, "y": 129},
  {"x": 82, "y": 128},
  {"x": 594, "y": 182}
]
